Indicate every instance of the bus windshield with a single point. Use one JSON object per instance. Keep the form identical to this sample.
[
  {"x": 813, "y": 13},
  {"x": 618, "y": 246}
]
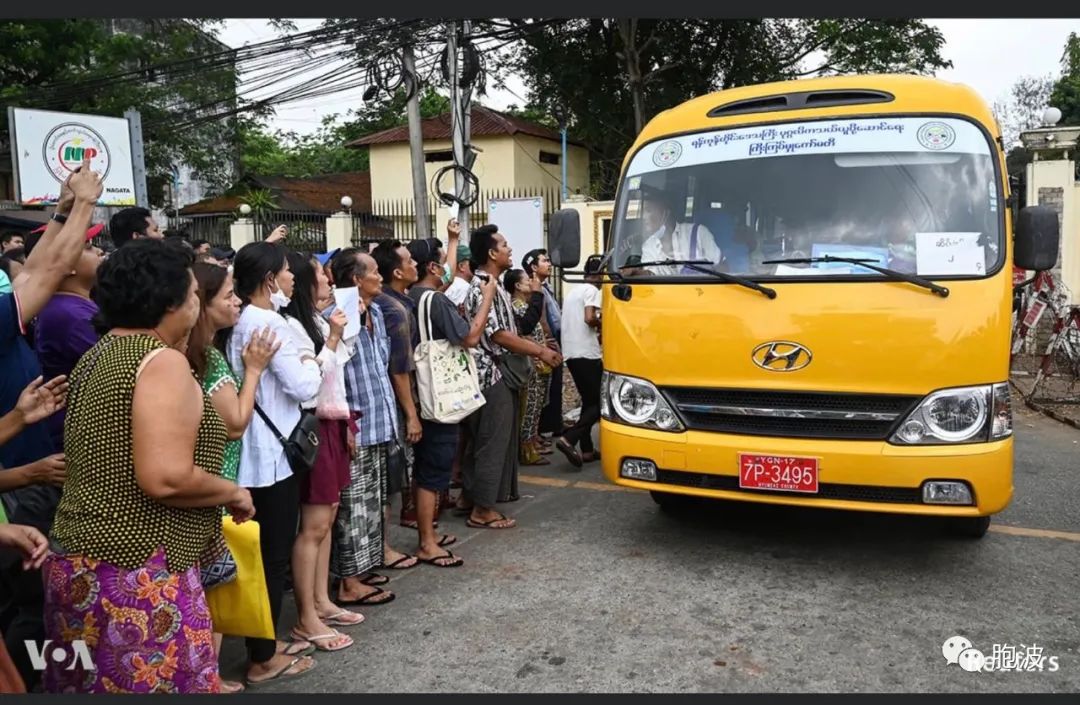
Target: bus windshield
[{"x": 917, "y": 195}]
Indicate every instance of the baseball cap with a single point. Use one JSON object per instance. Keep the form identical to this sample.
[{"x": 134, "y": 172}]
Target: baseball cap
[
  {"x": 325, "y": 257},
  {"x": 464, "y": 254},
  {"x": 91, "y": 233},
  {"x": 222, "y": 253},
  {"x": 531, "y": 258}
]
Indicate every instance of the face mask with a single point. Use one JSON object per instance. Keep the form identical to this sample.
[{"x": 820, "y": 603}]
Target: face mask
[
  {"x": 279, "y": 300},
  {"x": 447, "y": 277}
]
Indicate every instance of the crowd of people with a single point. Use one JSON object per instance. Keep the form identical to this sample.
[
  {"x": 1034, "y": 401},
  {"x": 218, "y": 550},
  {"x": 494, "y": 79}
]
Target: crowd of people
[{"x": 151, "y": 398}]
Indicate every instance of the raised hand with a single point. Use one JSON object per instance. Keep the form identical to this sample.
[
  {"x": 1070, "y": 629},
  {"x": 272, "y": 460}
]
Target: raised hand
[
  {"x": 85, "y": 184},
  {"x": 453, "y": 229},
  {"x": 278, "y": 234},
  {"x": 39, "y": 401},
  {"x": 260, "y": 349}
]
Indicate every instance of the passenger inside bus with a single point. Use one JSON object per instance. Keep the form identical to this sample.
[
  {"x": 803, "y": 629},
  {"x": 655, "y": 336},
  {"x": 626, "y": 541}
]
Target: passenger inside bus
[{"x": 671, "y": 239}]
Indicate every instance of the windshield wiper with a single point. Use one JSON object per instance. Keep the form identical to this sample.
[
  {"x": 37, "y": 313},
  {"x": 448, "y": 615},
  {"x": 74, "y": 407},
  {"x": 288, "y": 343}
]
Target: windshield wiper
[
  {"x": 868, "y": 263},
  {"x": 699, "y": 265}
]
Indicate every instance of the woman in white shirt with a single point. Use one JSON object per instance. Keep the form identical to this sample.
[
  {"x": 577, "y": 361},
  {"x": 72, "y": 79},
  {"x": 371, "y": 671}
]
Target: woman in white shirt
[
  {"x": 262, "y": 280},
  {"x": 671, "y": 239},
  {"x": 319, "y": 343}
]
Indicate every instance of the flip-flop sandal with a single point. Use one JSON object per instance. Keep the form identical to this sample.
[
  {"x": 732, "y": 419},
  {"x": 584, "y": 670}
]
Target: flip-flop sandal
[
  {"x": 490, "y": 524},
  {"x": 455, "y": 562},
  {"x": 447, "y": 540},
  {"x": 570, "y": 452},
  {"x": 333, "y": 634},
  {"x": 538, "y": 461},
  {"x": 396, "y": 565},
  {"x": 366, "y": 600},
  {"x": 375, "y": 579},
  {"x": 230, "y": 687},
  {"x": 283, "y": 674},
  {"x": 294, "y": 649},
  {"x": 336, "y": 619}
]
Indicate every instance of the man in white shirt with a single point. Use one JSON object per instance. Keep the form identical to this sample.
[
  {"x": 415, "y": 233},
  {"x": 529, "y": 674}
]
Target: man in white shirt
[
  {"x": 581, "y": 351},
  {"x": 671, "y": 239},
  {"x": 463, "y": 275}
]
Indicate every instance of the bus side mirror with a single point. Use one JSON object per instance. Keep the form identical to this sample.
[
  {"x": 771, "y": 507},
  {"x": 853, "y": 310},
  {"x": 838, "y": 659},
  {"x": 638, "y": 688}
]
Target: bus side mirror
[
  {"x": 1037, "y": 239},
  {"x": 564, "y": 238}
]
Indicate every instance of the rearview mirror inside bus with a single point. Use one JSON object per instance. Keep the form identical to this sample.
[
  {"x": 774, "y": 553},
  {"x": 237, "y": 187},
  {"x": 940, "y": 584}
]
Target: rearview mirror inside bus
[
  {"x": 1037, "y": 237},
  {"x": 564, "y": 238}
]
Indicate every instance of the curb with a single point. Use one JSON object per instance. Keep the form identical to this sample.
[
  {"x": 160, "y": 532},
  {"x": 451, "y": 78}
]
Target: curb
[{"x": 1052, "y": 414}]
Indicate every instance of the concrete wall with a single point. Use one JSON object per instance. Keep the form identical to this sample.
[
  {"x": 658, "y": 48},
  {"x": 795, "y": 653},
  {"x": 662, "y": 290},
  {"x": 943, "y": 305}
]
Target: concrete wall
[{"x": 1053, "y": 184}]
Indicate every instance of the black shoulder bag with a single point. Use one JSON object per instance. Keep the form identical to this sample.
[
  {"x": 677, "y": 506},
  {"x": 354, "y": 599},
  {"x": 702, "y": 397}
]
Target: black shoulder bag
[{"x": 302, "y": 445}]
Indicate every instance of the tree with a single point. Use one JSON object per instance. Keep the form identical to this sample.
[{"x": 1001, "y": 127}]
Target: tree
[
  {"x": 612, "y": 75},
  {"x": 1066, "y": 93},
  {"x": 1028, "y": 99},
  {"x": 165, "y": 68},
  {"x": 324, "y": 152}
]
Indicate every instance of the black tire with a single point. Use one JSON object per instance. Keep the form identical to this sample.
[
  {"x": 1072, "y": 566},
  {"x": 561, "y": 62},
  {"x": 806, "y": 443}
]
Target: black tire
[
  {"x": 968, "y": 527},
  {"x": 670, "y": 503}
]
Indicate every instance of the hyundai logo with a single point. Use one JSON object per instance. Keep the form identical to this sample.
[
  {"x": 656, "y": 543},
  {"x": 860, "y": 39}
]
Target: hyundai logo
[{"x": 781, "y": 356}]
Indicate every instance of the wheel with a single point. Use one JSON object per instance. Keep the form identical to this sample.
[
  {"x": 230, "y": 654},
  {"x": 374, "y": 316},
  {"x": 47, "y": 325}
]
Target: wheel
[
  {"x": 669, "y": 503},
  {"x": 968, "y": 527}
]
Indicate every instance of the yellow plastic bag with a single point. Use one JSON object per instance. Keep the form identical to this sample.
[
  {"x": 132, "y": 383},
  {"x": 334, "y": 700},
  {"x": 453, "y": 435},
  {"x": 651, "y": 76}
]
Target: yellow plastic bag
[{"x": 242, "y": 607}]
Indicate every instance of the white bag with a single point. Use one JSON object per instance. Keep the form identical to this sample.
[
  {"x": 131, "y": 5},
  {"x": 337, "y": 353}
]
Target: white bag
[{"x": 446, "y": 376}]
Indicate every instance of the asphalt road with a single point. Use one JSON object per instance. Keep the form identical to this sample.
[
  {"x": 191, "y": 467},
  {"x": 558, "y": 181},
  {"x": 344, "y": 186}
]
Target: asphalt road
[{"x": 599, "y": 591}]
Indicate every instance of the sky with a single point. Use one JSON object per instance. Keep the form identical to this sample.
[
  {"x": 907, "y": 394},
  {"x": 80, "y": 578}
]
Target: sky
[{"x": 987, "y": 54}]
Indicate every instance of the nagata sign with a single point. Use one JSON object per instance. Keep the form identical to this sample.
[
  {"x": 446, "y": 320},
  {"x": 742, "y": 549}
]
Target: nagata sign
[{"x": 47, "y": 146}]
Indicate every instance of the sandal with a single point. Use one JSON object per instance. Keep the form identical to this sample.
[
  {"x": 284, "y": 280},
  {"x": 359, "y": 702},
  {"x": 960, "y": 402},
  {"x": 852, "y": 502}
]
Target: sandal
[
  {"x": 293, "y": 648},
  {"x": 230, "y": 687},
  {"x": 564, "y": 447},
  {"x": 341, "y": 618},
  {"x": 374, "y": 579},
  {"x": 332, "y": 634},
  {"x": 396, "y": 565},
  {"x": 283, "y": 674},
  {"x": 537, "y": 461},
  {"x": 447, "y": 540},
  {"x": 490, "y": 524},
  {"x": 367, "y": 600},
  {"x": 455, "y": 561}
]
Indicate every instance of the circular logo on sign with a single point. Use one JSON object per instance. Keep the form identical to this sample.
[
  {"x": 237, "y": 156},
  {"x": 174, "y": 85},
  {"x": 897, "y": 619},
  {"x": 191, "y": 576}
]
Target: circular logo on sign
[
  {"x": 67, "y": 145},
  {"x": 667, "y": 154},
  {"x": 936, "y": 135}
]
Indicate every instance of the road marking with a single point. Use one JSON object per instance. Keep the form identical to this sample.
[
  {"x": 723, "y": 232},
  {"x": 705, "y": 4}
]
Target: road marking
[
  {"x": 1009, "y": 529},
  {"x": 546, "y": 481},
  {"x": 1035, "y": 533},
  {"x": 604, "y": 487}
]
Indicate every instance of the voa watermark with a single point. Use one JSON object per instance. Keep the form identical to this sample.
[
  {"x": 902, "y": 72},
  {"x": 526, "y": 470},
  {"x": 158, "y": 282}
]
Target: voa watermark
[
  {"x": 75, "y": 655},
  {"x": 1003, "y": 657}
]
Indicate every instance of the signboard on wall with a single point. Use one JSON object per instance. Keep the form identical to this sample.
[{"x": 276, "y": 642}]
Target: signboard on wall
[
  {"x": 521, "y": 221},
  {"x": 47, "y": 146}
]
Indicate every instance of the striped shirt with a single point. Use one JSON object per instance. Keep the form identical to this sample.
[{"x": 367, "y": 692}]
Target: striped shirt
[{"x": 367, "y": 382}]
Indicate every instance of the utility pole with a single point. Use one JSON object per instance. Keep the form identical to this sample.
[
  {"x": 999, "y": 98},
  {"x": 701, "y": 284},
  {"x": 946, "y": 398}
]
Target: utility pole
[
  {"x": 459, "y": 115},
  {"x": 416, "y": 148}
]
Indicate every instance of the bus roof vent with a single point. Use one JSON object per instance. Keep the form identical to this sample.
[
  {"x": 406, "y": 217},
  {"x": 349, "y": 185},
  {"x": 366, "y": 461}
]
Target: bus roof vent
[{"x": 795, "y": 101}]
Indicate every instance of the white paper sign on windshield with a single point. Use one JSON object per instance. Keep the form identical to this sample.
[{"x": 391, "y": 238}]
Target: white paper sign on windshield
[{"x": 949, "y": 254}]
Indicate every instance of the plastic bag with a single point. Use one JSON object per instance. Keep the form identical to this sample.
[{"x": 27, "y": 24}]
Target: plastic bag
[
  {"x": 331, "y": 404},
  {"x": 241, "y": 607}
]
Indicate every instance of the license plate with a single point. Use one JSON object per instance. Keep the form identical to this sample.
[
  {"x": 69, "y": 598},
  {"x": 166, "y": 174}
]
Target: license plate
[{"x": 779, "y": 473}]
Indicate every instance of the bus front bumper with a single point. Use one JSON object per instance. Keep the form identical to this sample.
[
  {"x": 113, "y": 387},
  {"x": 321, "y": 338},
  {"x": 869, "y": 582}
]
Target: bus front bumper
[{"x": 869, "y": 476}]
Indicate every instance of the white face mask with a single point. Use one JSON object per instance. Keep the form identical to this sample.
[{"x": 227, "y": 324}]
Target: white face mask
[{"x": 279, "y": 300}]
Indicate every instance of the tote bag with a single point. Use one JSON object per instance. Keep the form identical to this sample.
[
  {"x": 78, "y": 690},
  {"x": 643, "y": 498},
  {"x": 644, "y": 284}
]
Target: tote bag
[
  {"x": 446, "y": 378},
  {"x": 242, "y": 607}
]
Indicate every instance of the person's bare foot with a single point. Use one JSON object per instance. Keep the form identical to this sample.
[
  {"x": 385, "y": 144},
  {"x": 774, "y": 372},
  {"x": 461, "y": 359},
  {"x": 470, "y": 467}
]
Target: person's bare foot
[
  {"x": 280, "y": 666},
  {"x": 482, "y": 518},
  {"x": 352, "y": 591},
  {"x": 397, "y": 560}
]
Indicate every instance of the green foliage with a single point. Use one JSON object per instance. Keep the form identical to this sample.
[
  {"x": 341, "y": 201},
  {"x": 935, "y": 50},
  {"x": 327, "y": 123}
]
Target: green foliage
[
  {"x": 41, "y": 60},
  {"x": 1066, "y": 93},
  {"x": 613, "y": 75},
  {"x": 323, "y": 152}
]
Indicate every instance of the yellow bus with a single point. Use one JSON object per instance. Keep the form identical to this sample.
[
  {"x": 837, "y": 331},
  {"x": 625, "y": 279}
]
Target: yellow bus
[{"x": 807, "y": 300}]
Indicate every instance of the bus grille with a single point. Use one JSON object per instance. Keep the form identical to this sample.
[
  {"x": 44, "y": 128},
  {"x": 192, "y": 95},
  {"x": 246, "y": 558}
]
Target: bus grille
[
  {"x": 826, "y": 490},
  {"x": 791, "y": 414}
]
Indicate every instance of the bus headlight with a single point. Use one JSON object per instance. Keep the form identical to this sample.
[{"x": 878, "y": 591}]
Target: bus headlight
[
  {"x": 636, "y": 402},
  {"x": 962, "y": 415}
]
